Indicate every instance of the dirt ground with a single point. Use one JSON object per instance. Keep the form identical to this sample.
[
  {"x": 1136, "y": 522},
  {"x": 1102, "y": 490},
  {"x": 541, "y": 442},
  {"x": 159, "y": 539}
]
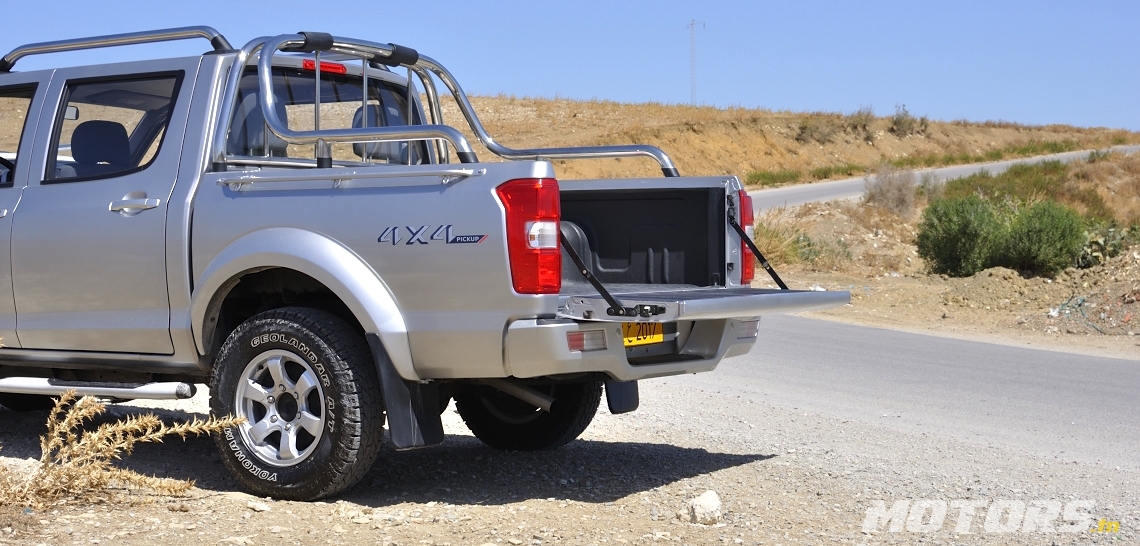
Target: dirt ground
[{"x": 784, "y": 477}]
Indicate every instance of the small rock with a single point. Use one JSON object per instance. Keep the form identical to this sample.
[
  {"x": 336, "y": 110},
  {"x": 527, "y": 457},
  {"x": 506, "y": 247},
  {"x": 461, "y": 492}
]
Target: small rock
[
  {"x": 257, "y": 506},
  {"x": 277, "y": 529},
  {"x": 705, "y": 509},
  {"x": 237, "y": 540},
  {"x": 514, "y": 541}
]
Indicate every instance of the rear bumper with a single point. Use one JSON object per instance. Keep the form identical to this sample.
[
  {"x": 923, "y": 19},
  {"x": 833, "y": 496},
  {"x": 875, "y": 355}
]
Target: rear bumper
[{"x": 535, "y": 348}]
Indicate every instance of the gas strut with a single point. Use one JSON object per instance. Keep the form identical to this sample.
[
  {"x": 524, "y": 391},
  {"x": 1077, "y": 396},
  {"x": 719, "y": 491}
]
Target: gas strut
[
  {"x": 616, "y": 308},
  {"x": 756, "y": 251}
]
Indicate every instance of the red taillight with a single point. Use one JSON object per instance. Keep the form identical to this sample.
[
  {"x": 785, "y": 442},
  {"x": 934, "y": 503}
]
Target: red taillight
[
  {"x": 332, "y": 68},
  {"x": 533, "y": 211},
  {"x": 747, "y": 260}
]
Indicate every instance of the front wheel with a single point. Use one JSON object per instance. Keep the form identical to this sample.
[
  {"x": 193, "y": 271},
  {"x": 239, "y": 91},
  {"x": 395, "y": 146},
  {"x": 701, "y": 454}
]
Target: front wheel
[
  {"x": 505, "y": 422},
  {"x": 306, "y": 386}
]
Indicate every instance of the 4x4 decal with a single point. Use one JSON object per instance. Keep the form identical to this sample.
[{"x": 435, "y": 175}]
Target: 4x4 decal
[{"x": 415, "y": 235}]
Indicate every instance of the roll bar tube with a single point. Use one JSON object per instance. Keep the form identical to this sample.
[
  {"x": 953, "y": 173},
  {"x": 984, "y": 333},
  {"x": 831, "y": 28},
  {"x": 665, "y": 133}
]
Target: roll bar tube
[
  {"x": 394, "y": 55},
  {"x": 356, "y": 134},
  {"x": 165, "y": 35},
  {"x": 384, "y": 53}
]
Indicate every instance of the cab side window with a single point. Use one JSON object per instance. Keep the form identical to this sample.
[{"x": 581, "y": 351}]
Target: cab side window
[
  {"x": 14, "y": 105},
  {"x": 111, "y": 127}
]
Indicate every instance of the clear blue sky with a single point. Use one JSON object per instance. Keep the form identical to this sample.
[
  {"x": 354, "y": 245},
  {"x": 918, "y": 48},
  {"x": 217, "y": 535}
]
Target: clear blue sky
[{"x": 1030, "y": 62}]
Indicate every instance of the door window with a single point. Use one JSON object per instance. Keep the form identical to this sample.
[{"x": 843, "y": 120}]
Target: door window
[
  {"x": 14, "y": 105},
  {"x": 111, "y": 127}
]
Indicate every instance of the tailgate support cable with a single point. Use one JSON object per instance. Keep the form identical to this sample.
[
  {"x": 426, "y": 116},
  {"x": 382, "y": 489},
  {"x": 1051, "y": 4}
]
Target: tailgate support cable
[
  {"x": 756, "y": 251},
  {"x": 616, "y": 308}
]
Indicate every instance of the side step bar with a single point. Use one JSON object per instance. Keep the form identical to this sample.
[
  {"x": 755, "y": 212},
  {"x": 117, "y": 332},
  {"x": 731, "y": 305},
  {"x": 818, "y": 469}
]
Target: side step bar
[{"x": 149, "y": 391}]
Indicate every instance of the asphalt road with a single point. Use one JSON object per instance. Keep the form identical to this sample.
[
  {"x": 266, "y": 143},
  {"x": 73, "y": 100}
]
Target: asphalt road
[
  {"x": 1048, "y": 404},
  {"x": 853, "y": 187}
]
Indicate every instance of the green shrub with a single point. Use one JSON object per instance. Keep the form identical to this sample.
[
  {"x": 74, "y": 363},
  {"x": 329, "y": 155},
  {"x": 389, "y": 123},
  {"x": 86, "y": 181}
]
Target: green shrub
[
  {"x": 956, "y": 235},
  {"x": 1032, "y": 182},
  {"x": 1106, "y": 241},
  {"x": 1044, "y": 238},
  {"x": 960, "y": 236},
  {"x": 772, "y": 178},
  {"x": 831, "y": 171}
]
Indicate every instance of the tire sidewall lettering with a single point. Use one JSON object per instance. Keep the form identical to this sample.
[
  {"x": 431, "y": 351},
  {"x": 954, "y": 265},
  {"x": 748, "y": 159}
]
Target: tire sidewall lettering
[{"x": 243, "y": 457}]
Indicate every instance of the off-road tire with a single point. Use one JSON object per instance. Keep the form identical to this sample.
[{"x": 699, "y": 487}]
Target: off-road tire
[
  {"x": 341, "y": 382},
  {"x": 505, "y": 422},
  {"x": 26, "y": 402}
]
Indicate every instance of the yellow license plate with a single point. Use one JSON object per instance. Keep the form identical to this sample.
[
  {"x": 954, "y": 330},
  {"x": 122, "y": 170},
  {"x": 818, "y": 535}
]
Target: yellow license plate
[{"x": 642, "y": 333}]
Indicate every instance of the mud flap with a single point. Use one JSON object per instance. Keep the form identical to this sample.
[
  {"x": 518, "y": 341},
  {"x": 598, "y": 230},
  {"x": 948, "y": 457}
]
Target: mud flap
[
  {"x": 621, "y": 396},
  {"x": 412, "y": 407}
]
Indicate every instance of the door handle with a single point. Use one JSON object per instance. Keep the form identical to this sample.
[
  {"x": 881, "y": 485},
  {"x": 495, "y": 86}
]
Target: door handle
[
  {"x": 3, "y": 213},
  {"x": 133, "y": 205}
]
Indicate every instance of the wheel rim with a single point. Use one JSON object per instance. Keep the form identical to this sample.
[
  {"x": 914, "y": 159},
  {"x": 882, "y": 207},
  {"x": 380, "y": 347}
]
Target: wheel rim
[{"x": 280, "y": 397}]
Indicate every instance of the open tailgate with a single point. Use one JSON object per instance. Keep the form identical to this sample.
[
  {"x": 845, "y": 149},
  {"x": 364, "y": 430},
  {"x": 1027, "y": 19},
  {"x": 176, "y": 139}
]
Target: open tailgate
[{"x": 699, "y": 304}]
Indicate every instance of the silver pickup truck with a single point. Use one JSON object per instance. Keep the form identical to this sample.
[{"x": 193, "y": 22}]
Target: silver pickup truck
[{"x": 293, "y": 224}]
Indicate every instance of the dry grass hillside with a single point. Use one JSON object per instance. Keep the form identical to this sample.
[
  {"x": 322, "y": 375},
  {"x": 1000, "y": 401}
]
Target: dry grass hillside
[{"x": 712, "y": 141}]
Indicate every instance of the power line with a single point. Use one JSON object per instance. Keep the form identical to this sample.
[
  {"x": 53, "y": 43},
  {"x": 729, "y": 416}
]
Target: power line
[{"x": 693, "y": 58}]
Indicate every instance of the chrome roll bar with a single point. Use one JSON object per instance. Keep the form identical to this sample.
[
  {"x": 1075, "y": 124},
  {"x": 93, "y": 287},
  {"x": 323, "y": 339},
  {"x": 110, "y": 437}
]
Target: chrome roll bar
[
  {"x": 165, "y": 35},
  {"x": 355, "y": 134},
  {"x": 423, "y": 67},
  {"x": 360, "y": 48}
]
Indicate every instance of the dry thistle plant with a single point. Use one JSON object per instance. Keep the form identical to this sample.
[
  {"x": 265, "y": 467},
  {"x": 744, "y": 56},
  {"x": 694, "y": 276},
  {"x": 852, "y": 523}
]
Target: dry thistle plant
[{"x": 76, "y": 464}]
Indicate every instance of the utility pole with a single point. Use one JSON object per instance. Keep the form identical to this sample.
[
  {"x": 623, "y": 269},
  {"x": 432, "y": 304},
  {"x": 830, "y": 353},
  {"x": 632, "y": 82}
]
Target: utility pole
[{"x": 693, "y": 58}]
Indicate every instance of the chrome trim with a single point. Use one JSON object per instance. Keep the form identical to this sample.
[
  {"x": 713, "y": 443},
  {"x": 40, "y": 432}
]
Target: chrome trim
[
  {"x": 442, "y": 151},
  {"x": 357, "y": 134},
  {"x": 229, "y": 96},
  {"x": 338, "y": 176},
  {"x": 164, "y": 35}
]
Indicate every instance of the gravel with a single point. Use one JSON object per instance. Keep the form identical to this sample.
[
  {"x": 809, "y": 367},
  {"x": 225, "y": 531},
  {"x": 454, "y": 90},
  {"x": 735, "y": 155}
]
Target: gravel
[{"x": 783, "y": 476}]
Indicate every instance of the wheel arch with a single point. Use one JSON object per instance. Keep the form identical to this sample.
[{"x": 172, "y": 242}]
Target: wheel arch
[{"x": 335, "y": 267}]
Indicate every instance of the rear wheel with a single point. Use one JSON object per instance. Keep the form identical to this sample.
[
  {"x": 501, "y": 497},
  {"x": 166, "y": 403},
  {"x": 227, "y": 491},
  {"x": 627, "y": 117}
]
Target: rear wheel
[
  {"x": 305, "y": 383},
  {"x": 505, "y": 422}
]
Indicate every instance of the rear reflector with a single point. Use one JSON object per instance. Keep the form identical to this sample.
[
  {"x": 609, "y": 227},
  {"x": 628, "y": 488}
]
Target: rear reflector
[
  {"x": 748, "y": 329},
  {"x": 532, "y": 214},
  {"x": 589, "y": 340},
  {"x": 333, "y": 68},
  {"x": 747, "y": 221}
]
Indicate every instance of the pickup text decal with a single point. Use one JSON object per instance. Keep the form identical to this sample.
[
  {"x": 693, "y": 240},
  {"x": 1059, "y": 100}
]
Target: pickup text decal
[{"x": 419, "y": 235}]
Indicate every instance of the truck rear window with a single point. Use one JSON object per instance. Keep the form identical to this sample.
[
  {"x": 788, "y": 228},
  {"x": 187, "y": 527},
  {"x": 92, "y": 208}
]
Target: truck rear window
[{"x": 341, "y": 107}]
